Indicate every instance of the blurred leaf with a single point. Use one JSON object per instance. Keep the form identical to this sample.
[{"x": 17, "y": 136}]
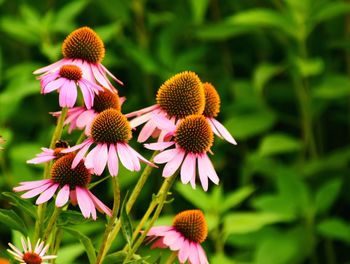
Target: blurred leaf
[
  {"x": 220, "y": 258},
  {"x": 276, "y": 204},
  {"x": 89, "y": 247},
  {"x": 18, "y": 30},
  {"x": 69, "y": 217},
  {"x": 69, "y": 253},
  {"x": 115, "y": 258},
  {"x": 245, "y": 126},
  {"x": 310, "y": 67},
  {"x": 199, "y": 7},
  {"x": 109, "y": 32},
  {"x": 65, "y": 16},
  {"x": 264, "y": 73},
  {"x": 246, "y": 222},
  {"x": 21, "y": 203},
  {"x": 126, "y": 221},
  {"x": 335, "y": 228},
  {"x": 13, "y": 221},
  {"x": 327, "y": 195},
  {"x": 333, "y": 87},
  {"x": 330, "y": 10},
  {"x": 278, "y": 144},
  {"x": 31, "y": 17},
  {"x": 197, "y": 197},
  {"x": 235, "y": 198},
  {"x": 221, "y": 31}
]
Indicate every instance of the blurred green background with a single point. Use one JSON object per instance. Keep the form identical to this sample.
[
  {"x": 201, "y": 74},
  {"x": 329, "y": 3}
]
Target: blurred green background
[{"x": 282, "y": 69}]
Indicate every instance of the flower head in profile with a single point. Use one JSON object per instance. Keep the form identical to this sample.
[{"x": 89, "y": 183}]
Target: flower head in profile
[
  {"x": 180, "y": 96},
  {"x": 49, "y": 154},
  {"x": 188, "y": 231},
  {"x": 110, "y": 133},
  {"x": 212, "y": 109},
  {"x": 72, "y": 184},
  {"x": 29, "y": 256},
  {"x": 81, "y": 118},
  {"x": 65, "y": 80},
  {"x": 193, "y": 138},
  {"x": 84, "y": 49}
]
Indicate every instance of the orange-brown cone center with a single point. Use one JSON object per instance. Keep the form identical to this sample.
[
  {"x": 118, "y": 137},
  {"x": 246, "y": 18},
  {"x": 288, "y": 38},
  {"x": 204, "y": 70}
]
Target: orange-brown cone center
[
  {"x": 212, "y": 100},
  {"x": 105, "y": 100},
  {"x": 31, "y": 258},
  {"x": 71, "y": 72}
]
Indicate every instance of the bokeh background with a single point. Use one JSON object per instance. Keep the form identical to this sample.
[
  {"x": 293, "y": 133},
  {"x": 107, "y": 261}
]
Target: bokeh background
[{"x": 282, "y": 69}]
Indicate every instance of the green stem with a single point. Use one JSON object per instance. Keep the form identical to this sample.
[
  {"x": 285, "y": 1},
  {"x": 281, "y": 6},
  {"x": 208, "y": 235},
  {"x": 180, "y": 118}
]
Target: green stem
[
  {"x": 171, "y": 258},
  {"x": 130, "y": 203},
  {"x": 107, "y": 241},
  {"x": 42, "y": 207},
  {"x": 81, "y": 138},
  {"x": 52, "y": 222},
  {"x": 158, "y": 202}
]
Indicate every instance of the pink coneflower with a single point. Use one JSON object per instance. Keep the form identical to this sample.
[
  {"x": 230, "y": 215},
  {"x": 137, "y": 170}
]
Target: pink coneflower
[
  {"x": 80, "y": 117},
  {"x": 193, "y": 138},
  {"x": 65, "y": 80},
  {"x": 185, "y": 236},
  {"x": 30, "y": 256},
  {"x": 212, "y": 109},
  {"x": 49, "y": 154},
  {"x": 180, "y": 96},
  {"x": 72, "y": 183},
  {"x": 85, "y": 49},
  {"x": 110, "y": 131}
]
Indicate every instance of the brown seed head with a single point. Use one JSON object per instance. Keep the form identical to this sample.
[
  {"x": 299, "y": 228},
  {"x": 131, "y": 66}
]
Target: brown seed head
[
  {"x": 71, "y": 72},
  {"x": 31, "y": 258},
  {"x": 182, "y": 95},
  {"x": 105, "y": 100},
  {"x": 212, "y": 101},
  {"x": 83, "y": 43}
]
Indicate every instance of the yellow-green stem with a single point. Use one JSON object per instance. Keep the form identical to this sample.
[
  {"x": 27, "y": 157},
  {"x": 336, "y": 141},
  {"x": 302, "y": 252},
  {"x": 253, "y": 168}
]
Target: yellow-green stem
[
  {"x": 107, "y": 241},
  {"x": 52, "y": 223},
  {"x": 171, "y": 258}
]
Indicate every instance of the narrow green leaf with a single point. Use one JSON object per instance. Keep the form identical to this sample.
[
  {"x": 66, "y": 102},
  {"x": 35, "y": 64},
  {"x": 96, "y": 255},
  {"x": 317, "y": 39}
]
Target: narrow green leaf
[
  {"x": 327, "y": 194},
  {"x": 235, "y": 198},
  {"x": 310, "y": 67},
  {"x": 89, "y": 247},
  {"x": 333, "y": 87},
  {"x": 199, "y": 7},
  {"x": 197, "y": 197},
  {"x": 23, "y": 204},
  {"x": 278, "y": 144},
  {"x": 330, "y": 10},
  {"x": 127, "y": 229},
  {"x": 115, "y": 258},
  {"x": 264, "y": 73},
  {"x": 335, "y": 228},
  {"x": 13, "y": 221}
]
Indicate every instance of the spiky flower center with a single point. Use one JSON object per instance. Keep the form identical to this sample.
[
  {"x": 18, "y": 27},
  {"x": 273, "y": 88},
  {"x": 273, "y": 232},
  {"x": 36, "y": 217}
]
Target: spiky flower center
[
  {"x": 212, "y": 100},
  {"x": 192, "y": 225},
  {"x": 83, "y": 43},
  {"x": 31, "y": 258},
  {"x": 62, "y": 172},
  {"x": 110, "y": 126},
  {"x": 182, "y": 95},
  {"x": 71, "y": 72},
  {"x": 194, "y": 134},
  {"x": 105, "y": 100}
]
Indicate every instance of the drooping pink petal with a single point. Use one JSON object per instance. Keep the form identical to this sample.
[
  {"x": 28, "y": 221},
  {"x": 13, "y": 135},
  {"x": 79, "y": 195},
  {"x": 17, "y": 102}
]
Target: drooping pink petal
[
  {"x": 79, "y": 146},
  {"x": 31, "y": 185},
  {"x": 47, "y": 194},
  {"x": 62, "y": 196},
  {"x": 80, "y": 155},
  {"x": 86, "y": 118},
  {"x": 142, "y": 112},
  {"x": 113, "y": 160},
  {"x": 166, "y": 155},
  {"x": 47, "y": 78},
  {"x": 54, "y": 85},
  {"x": 202, "y": 171},
  {"x": 171, "y": 237},
  {"x": 41, "y": 159},
  {"x": 210, "y": 169},
  {"x": 124, "y": 157},
  {"x": 92, "y": 205},
  {"x": 146, "y": 131},
  {"x": 99, "y": 205},
  {"x": 188, "y": 168},
  {"x": 50, "y": 67},
  {"x": 177, "y": 244},
  {"x": 159, "y": 230},
  {"x": 68, "y": 94},
  {"x": 201, "y": 254},
  {"x": 104, "y": 69},
  {"x": 184, "y": 251},
  {"x": 171, "y": 167},
  {"x": 223, "y": 131},
  {"x": 101, "y": 158},
  {"x": 36, "y": 191},
  {"x": 159, "y": 145},
  {"x": 90, "y": 158},
  {"x": 83, "y": 201},
  {"x": 162, "y": 122},
  {"x": 193, "y": 256},
  {"x": 87, "y": 94},
  {"x": 140, "y": 157},
  {"x": 134, "y": 157},
  {"x": 99, "y": 77}
]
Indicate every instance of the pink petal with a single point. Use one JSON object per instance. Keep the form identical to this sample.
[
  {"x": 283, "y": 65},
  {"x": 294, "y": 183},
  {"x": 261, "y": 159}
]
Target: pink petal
[
  {"x": 54, "y": 85},
  {"x": 184, "y": 251},
  {"x": 202, "y": 171},
  {"x": 83, "y": 201},
  {"x": 86, "y": 118},
  {"x": 159, "y": 230},
  {"x": 110, "y": 74},
  {"x": 87, "y": 94},
  {"x": 41, "y": 159},
  {"x": 177, "y": 244},
  {"x": 140, "y": 157},
  {"x": 124, "y": 157},
  {"x": 171, "y": 238},
  {"x": 99, "y": 205},
  {"x": 188, "y": 168},
  {"x": 223, "y": 131},
  {"x": 159, "y": 145},
  {"x": 79, "y": 146},
  {"x": 163, "y": 123},
  {"x": 99, "y": 77},
  {"x": 146, "y": 131},
  {"x": 80, "y": 155},
  {"x": 101, "y": 158},
  {"x": 68, "y": 94},
  {"x": 47, "y": 194},
  {"x": 210, "y": 169},
  {"x": 166, "y": 155},
  {"x": 90, "y": 158},
  {"x": 47, "y": 78},
  {"x": 201, "y": 254},
  {"x": 113, "y": 160},
  {"x": 171, "y": 167},
  {"x": 193, "y": 257},
  {"x": 36, "y": 191},
  {"x": 141, "y": 112},
  {"x": 62, "y": 196},
  {"x": 50, "y": 67},
  {"x": 31, "y": 185}
]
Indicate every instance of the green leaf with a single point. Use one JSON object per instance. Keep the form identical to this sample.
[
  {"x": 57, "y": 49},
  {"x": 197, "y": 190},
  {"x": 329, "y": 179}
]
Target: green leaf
[
  {"x": 23, "y": 204},
  {"x": 65, "y": 16},
  {"x": 262, "y": 17},
  {"x": 330, "y": 10},
  {"x": 278, "y": 144},
  {"x": 335, "y": 228},
  {"x": 197, "y": 197},
  {"x": 264, "y": 73},
  {"x": 127, "y": 229},
  {"x": 13, "y": 221},
  {"x": 115, "y": 258},
  {"x": 310, "y": 67},
  {"x": 199, "y": 7},
  {"x": 327, "y": 195},
  {"x": 70, "y": 217},
  {"x": 245, "y": 126},
  {"x": 246, "y": 222},
  {"x": 235, "y": 198},
  {"x": 221, "y": 31},
  {"x": 69, "y": 253},
  {"x": 333, "y": 87},
  {"x": 89, "y": 247}
]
